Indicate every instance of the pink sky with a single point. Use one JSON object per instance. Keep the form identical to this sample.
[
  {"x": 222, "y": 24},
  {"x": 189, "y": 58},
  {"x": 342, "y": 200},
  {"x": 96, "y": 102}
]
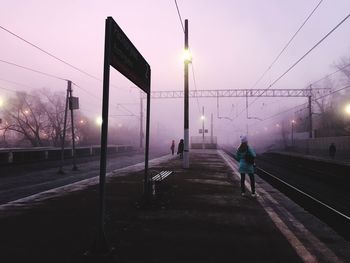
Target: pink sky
[{"x": 233, "y": 42}]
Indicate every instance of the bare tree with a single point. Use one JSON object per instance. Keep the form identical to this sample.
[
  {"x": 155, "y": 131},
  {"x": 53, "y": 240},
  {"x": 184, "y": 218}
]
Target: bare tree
[{"x": 35, "y": 118}]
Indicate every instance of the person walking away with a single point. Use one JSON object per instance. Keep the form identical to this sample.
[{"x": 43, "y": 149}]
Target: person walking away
[
  {"x": 245, "y": 155},
  {"x": 180, "y": 148},
  {"x": 172, "y": 147},
  {"x": 332, "y": 150}
]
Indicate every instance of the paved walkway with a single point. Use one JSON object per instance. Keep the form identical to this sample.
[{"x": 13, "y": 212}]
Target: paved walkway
[{"x": 199, "y": 216}]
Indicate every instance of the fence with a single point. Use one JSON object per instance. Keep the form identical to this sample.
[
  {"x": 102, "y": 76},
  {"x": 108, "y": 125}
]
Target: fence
[
  {"x": 209, "y": 142},
  {"x": 17, "y": 155}
]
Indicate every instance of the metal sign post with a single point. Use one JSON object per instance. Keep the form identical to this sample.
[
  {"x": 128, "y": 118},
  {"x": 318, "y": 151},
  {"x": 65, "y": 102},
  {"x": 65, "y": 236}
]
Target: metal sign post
[{"x": 121, "y": 54}]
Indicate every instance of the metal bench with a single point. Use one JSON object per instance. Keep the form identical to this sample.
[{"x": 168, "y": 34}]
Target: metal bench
[{"x": 159, "y": 177}]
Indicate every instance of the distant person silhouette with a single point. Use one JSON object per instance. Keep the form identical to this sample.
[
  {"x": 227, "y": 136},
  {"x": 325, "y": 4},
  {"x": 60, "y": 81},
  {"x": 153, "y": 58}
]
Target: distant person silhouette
[
  {"x": 332, "y": 150},
  {"x": 180, "y": 148},
  {"x": 245, "y": 155},
  {"x": 172, "y": 147}
]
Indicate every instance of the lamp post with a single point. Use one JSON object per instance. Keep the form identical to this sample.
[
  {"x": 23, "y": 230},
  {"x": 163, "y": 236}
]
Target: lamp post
[
  {"x": 347, "y": 109},
  {"x": 293, "y": 122},
  {"x": 203, "y": 118},
  {"x": 187, "y": 60}
]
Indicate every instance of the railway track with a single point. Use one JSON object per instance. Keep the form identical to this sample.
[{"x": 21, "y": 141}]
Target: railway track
[{"x": 337, "y": 219}]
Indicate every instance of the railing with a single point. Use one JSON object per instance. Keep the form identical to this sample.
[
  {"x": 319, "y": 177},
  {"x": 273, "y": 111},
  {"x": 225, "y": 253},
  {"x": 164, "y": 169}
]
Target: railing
[{"x": 25, "y": 155}]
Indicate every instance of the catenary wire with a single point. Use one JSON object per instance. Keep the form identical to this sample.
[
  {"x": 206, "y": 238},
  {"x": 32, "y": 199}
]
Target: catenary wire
[
  {"x": 45, "y": 74},
  {"x": 300, "y": 59},
  {"x": 300, "y": 105},
  {"x": 286, "y": 46},
  {"x": 178, "y": 12},
  {"x": 33, "y": 70},
  {"x": 53, "y": 56},
  {"x": 50, "y": 54}
]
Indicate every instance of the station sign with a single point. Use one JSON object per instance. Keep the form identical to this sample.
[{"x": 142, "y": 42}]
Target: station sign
[
  {"x": 125, "y": 58},
  {"x": 201, "y": 130},
  {"x": 74, "y": 103}
]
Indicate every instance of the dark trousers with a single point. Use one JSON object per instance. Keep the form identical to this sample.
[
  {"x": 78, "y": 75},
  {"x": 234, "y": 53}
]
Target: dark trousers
[{"x": 252, "y": 183}]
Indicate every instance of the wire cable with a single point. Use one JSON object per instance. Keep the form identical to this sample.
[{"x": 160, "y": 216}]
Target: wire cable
[
  {"x": 286, "y": 46},
  {"x": 33, "y": 70},
  {"x": 340, "y": 69},
  {"x": 195, "y": 86},
  {"x": 323, "y": 96},
  {"x": 50, "y": 54},
  {"x": 300, "y": 59},
  {"x": 86, "y": 91},
  {"x": 178, "y": 12},
  {"x": 16, "y": 83}
]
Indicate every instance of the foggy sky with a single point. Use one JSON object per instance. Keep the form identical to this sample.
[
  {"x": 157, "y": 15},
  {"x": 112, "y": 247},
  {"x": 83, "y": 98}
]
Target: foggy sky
[{"x": 232, "y": 42}]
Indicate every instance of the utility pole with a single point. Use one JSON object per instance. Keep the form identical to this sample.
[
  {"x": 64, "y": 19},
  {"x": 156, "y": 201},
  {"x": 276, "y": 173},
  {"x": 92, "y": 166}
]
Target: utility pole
[
  {"x": 70, "y": 91},
  {"x": 60, "y": 171},
  {"x": 203, "y": 118},
  {"x": 211, "y": 129},
  {"x": 186, "y": 156},
  {"x": 293, "y": 121},
  {"x": 310, "y": 115}
]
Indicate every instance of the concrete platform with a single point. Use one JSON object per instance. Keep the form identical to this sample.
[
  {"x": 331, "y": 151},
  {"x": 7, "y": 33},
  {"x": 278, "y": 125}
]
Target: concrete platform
[{"x": 199, "y": 216}]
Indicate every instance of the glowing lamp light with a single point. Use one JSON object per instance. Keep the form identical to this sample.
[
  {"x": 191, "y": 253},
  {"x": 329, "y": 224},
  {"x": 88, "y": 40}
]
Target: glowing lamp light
[
  {"x": 99, "y": 120},
  {"x": 187, "y": 57},
  {"x": 202, "y": 117},
  {"x": 347, "y": 109},
  {"x": 293, "y": 121},
  {"x": 1, "y": 102}
]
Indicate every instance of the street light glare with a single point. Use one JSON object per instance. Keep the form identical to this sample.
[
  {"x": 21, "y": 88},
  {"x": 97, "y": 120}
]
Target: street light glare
[
  {"x": 1, "y": 102},
  {"x": 347, "y": 109},
  {"x": 99, "y": 121},
  {"x": 187, "y": 57},
  {"x": 202, "y": 117}
]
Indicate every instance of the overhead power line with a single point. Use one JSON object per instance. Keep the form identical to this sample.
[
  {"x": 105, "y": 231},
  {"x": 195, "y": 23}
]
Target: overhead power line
[
  {"x": 16, "y": 83},
  {"x": 42, "y": 73},
  {"x": 308, "y": 52},
  {"x": 331, "y": 74},
  {"x": 318, "y": 98},
  {"x": 33, "y": 70},
  {"x": 50, "y": 54},
  {"x": 286, "y": 46},
  {"x": 300, "y": 59},
  {"x": 178, "y": 12}
]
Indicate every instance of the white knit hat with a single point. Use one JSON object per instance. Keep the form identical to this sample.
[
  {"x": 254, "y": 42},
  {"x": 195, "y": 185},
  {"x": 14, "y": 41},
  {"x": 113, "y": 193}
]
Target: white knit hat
[{"x": 244, "y": 138}]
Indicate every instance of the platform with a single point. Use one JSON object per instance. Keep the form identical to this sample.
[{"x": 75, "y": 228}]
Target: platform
[{"x": 199, "y": 216}]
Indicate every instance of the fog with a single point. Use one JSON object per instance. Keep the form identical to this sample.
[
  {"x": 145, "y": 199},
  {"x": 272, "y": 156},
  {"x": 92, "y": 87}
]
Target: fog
[{"x": 232, "y": 44}]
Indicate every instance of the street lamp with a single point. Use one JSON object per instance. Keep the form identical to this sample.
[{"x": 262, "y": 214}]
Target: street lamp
[
  {"x": 347, "y": 109},
  {"x": 187, "y": 56},
  {"x": 203, "y": 119},
  {"x": 293, "y": 122},
  {"x": 186, "y": 156},
  {"x": 99, "y": 120}
]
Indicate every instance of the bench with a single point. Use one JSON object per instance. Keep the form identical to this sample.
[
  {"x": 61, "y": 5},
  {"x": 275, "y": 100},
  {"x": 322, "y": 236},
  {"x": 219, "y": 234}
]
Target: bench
[{"x": 157, "y": 179}]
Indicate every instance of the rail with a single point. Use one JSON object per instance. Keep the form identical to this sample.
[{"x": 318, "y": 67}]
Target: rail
[{"x": 339, "y": 221}]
